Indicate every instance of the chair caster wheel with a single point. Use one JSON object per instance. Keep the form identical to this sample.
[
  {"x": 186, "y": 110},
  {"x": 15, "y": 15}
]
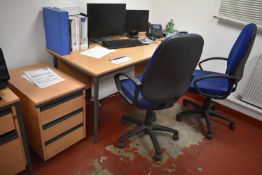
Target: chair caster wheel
[
  {"x": 209, "y": 136},
  {"x": 178, "y": 118},
  {"x": 175, "y": 136},
  {"x": 121, "y": 144},
  {"x": 232, "y": 125},
  {"x": 157, "y": 157}
]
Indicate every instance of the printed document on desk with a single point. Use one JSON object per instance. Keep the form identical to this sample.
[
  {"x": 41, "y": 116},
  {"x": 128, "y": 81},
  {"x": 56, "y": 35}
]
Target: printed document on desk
[
  {"x": 97, "y": 52},
  {"x": 43, "y": 77},
  {"x": 120, "y": 60}
]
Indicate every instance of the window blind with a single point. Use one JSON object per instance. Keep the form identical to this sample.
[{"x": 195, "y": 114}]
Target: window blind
[{"x": 241, "y": 11}]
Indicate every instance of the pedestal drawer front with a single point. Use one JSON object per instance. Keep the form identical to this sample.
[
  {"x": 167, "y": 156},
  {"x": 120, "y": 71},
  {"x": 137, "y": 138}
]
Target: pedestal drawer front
[
  {"x": 55, "y": 146},
  {"x": 6, "y": 123},
  {"x": 11, "y": 158},
  {"x": 62, "y": 124},
  {"x": 61, "y": 107}
]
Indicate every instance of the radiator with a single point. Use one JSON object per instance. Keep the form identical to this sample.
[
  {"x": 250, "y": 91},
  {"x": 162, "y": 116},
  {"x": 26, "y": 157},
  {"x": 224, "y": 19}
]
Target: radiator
[{"x": 253, "y": 92}]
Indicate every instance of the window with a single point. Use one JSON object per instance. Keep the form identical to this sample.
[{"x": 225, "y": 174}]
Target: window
[{"x": 241, "y": 11}]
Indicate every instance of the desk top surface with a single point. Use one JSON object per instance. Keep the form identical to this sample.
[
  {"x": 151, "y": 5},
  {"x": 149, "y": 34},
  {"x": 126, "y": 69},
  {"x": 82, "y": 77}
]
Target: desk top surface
[
  {"x": 41, "y": 95},
  {"x": 8, "y": 97},
  {"x": 97, "y": 67}
]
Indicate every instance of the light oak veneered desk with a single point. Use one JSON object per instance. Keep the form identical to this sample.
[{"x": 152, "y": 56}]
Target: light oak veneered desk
[{"x": 89, "y": 70}]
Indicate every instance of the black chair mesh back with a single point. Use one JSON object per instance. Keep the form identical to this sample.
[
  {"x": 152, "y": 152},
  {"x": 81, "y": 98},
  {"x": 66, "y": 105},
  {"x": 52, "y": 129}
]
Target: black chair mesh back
[{"x": 169, "y": 72}]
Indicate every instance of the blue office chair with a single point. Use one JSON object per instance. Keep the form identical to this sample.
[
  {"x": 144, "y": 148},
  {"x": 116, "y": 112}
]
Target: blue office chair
[
  {"x": 166, "y": 77},
  {"x": 213, "y": 85}
]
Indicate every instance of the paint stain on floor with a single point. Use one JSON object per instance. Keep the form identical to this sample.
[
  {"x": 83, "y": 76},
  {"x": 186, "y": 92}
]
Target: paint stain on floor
[
  {"x": 121, "y": 152},
  {"x": 141, "y": 144},
  {"x": 99, "y": 168}
]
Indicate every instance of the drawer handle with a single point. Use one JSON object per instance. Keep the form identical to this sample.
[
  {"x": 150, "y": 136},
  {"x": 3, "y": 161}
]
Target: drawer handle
[
  {"x": 63, "y": 134},
  {"x": 59, "y": 101},
  {"x": 7, "y": 137},
  {"x": 48, "y": 125}
]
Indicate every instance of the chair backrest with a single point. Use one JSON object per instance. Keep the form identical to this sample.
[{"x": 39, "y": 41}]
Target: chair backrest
[
  {"x": 240, "y": 51},
  {"x": 169, "y": 71}
]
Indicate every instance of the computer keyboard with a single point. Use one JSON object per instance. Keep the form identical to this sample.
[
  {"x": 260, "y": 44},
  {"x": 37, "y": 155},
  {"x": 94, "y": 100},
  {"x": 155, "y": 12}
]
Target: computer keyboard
[{"x": 115, "y": 44}]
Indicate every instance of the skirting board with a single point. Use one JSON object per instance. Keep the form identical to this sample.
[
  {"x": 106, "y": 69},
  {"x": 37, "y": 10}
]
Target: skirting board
[{"x": 238, "y": 105}]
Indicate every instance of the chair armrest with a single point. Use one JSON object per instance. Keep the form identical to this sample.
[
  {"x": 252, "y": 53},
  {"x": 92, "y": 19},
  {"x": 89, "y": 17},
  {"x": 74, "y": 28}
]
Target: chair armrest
[
  {"x": 210, "y": 59},
  {"x": 135, "y": 81},
  {"x": 230, "y": 89}
]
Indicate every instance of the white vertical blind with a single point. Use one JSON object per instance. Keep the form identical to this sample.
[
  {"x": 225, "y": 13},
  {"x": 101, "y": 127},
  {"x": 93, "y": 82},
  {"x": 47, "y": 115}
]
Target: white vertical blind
[{"x": 242, "y": 11}]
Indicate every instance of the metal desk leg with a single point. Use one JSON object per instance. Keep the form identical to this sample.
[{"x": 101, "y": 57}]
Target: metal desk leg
[
  {"x": 54, "y": 61},
  {"x": 96, "y": 94},
  {"x": 23, "y": 135}
]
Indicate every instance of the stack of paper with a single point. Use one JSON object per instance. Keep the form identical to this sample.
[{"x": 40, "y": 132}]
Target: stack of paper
[
  {"x": 97, "y": 52},
  {"x": 43, "y": 77}
]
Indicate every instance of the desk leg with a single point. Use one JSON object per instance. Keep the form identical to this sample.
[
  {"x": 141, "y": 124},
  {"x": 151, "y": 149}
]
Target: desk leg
[
  {"x": 23, "y": 135},
  {"x": 54, "y": 61},
  {"x": 96, "y": 116}
]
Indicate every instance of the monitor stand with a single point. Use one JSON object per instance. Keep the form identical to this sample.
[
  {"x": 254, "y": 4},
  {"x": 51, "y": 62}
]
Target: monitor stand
[
  {"x": 133, "y": 34},
  {"x": 101, "y": 40}
]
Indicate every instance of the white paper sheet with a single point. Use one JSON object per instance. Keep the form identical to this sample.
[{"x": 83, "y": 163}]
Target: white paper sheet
[
  {"x": 25, "y": 77},
  {"x": 97, "y": 52},
  {"x": 120, "y": 60},
  {"x": 43, "y": 77}
]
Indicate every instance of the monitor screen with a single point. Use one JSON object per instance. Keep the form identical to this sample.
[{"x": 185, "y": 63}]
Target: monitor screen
[
  {"x": 4, "y": 75},
  {"x": 137, "y": 20},
  {"x": 106, "y": 19}
]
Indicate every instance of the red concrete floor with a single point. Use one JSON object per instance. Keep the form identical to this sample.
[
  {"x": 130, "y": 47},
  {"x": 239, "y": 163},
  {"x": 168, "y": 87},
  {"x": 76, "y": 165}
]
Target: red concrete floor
[{"x": 236, "y": 152}]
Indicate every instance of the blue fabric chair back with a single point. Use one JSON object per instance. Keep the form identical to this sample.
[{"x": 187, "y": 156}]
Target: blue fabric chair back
[{"x": 240, "y": 51}]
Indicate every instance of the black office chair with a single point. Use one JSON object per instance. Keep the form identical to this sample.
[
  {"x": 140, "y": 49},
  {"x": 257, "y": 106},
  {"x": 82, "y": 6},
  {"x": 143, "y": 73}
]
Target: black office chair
[
  {"x": 166, "y": 77},
  {"x": 213, "y": 85}
]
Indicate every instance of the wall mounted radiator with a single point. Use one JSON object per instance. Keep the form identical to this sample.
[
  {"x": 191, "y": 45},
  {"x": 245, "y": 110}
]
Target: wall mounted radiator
[{"x": 253, "y": 92}]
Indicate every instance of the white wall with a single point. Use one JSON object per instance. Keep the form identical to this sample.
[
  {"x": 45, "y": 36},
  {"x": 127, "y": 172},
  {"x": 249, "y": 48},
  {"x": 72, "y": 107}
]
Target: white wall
[
  {"x": 22, "y": 32},
  {"x": 197, "y": 17}
]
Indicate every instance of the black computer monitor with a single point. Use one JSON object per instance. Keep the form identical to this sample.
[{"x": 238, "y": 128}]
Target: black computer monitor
[
  {"x": 136, "y": 21},
  {"x": 105, "y": 19},
  {"x": 4, "y": 75}
]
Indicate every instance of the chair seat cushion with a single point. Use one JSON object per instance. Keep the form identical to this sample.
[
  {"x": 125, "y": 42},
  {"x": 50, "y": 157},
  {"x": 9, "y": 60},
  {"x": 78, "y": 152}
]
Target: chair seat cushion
[
  {"x": 128, "y": 88},
  {"x": 212, "y": 86}
]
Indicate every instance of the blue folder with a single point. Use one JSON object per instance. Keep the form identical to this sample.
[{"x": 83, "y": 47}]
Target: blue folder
[{"x": 56, "y": 30}]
